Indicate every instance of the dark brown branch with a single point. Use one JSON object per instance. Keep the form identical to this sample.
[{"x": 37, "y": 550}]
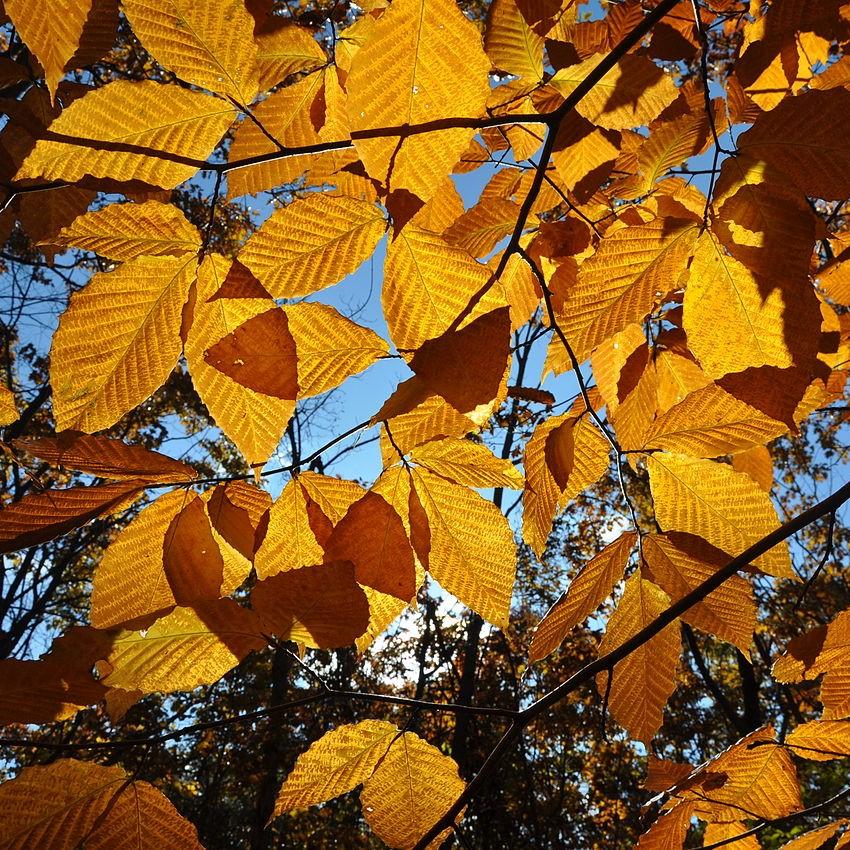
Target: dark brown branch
[
  {"x": 787, "y": 819},
  {"x": 389, "y": 699}
]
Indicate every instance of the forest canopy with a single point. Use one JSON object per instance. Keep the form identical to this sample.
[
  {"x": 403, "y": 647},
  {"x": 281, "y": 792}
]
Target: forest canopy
[{"x": 424, "y": 424}]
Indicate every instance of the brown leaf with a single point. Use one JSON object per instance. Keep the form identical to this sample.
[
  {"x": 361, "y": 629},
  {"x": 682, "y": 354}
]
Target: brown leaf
[
  {"x": 372, "y": 537},
  {"x": 40, "y": 517},
  {"x": 259, "y": 354},
  {"x": 320, "y": 606},
  {"x": 106, "y": 458},
  {"x": 466, "y": 367}
]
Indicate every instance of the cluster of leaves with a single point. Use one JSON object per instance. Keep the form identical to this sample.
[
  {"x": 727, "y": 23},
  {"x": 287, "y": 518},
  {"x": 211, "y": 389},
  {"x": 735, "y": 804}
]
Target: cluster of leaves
[{"x": 713, "y": 323}]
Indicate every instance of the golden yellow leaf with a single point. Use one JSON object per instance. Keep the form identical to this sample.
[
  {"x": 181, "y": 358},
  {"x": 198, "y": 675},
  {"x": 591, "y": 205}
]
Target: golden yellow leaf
[
  {"x": 633, "y": 268},
  {"x": 712, "y": 501},
  {"x": 131, "y": 582},
  {"x": 395, "y": 485},
  {"x": 708, "y": 423},
  {"x": 319, "y": 606},
  {"x": 427, "y": 283},
  {"x": 42, "y": 515},
  {"x": 679, "y": 563},
  {"x": 519, "y": 289},
  {"x": 483, "y": 226},
  {"x": 330, "y": 347},
  {"x": 184, "y": 649},
  {"x": 584, "y": 154},
  {"x": 472, "y": 546},
  {"x": 338, "y": 762},
  {"x": 254, "y": 421},
  {"x": 372, "y": 537},
  {"x": 643, "y": 681},
  {"x": 118, "y": 341},
  {"x": 287, "y": 116},
  {"x": 633, "y": 92},
  {"x": 422, "y": 61},
  {"x": 411, "y": 789},
  {"x": 312, "y": 243},
  {"x": 143, "y": 818},
  {"x": 758, "y": 464},
  {"x": 678, "y": 376},
  {"x": 52, "y": 32},
  {"x": 69, "y": 803},
  {"x": 510, "y": 42},
  {"x": 767, "y": 226},
  {"x": 542, "y": 496},
  {"x": 814, "y": 838},
  {"x": 127, "y": 231},
  {"x": 734, "y": 321},
  {"x": 210, "y": 45},
  {"x": 466, "y": 462},
  {"x": 290, "y": 542},
  {"x": 593, "y": 583},
  {"x": 823, "y": 650},
  {"x": 760, "y": 780},
  {"x": 820, "y": 740},
  {"x": 8, "y": 409},
  {"x": 56, "y": 805},
  {"x": 106, "y": 458},
  {"x": 669, "y": 144},
  {"x": 609, "y": 360},
  {"x": 725, "y": 830},
  {"x": 431, "y": 417},
  {"x": 238, "y": 512},
  {"x": 669, "y": 830},
  {"x": 333, "y": 496},
  {"x": 286, "y": 50},
  {"x": 131, "y": 131}
]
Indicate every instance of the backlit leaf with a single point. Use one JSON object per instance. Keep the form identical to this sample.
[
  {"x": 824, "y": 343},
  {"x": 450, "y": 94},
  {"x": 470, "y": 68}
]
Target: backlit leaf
[
  {"x": 317, "y": 606},
  {"x": 260, "y": 354},
  {"x": 467, "y": 462},
  {"x": 106, "y": 458},
  {"x": 254, "y": 421},
  {"x": 338, "y": 762},
  {"x": 127, "y": 231},
  {"x": 312, "y": 243},
  {"x": 632, "y": 93},
  {"x": 372, "y": 537},
  {"x": 40, "y": 517},
  {"x": 411, "y": 788},
  {"x": 118, "y": 341},
  {"x": 286, "y": 49},
  {"x": 678, "y": 563},
  {"x": 633, "y": 268},
  {"x": 593, "y": 583},
  {"x": 210, "y": 45},
  {"x": 642, "y": 682},
  {"x": 131, "y": 131},
  {"x": 52, "y": 32},
  {"x": 186, "y": 648},
  {"x": 472, "y": 547},
  {"x": 423, "y": 60},
  {"x": 712, "y": 501}
]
